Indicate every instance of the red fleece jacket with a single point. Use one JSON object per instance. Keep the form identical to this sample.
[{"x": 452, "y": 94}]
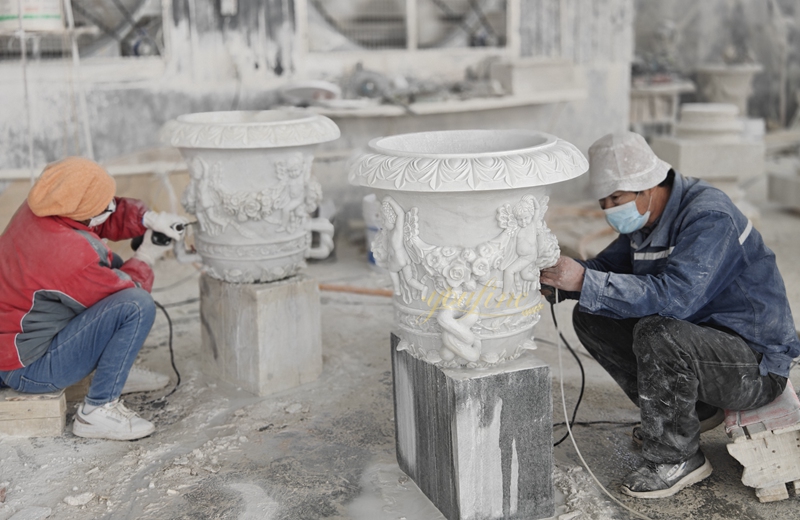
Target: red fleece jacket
[{"x": 52, "y": 269}]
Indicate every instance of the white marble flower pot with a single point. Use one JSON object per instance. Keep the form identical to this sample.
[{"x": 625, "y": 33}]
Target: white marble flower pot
[
  {"x": 252, "y": 190},
  {"x": 728, "y": 83},
  {"x": 464, "y": 236}
]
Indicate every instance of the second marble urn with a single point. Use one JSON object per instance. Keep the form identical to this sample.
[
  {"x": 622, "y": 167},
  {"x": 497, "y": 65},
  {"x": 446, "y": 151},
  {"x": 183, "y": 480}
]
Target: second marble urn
[
  {"x": 464, "y": 237},
  {"x": 252, "y": 190}
]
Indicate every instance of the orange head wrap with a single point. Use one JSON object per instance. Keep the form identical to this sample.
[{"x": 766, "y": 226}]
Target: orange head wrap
[{"x": 74, "y": 187}]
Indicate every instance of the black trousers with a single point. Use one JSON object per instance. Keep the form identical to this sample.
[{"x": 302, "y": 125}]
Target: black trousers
[{"x": 666, "y": 366}]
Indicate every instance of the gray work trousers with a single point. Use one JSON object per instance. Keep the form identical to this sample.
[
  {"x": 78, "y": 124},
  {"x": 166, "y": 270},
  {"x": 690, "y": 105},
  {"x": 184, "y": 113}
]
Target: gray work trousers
[{"x": 666, "y": 366}]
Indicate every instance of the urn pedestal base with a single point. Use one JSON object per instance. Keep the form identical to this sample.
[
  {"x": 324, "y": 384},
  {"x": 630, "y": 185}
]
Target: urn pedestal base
[
  {"x": 477, "y": 442},
  {"x": 264, "y": 337}
]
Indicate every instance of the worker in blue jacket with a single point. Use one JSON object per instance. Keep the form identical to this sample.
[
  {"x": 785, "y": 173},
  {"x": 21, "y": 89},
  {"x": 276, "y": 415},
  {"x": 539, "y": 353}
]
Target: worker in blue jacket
[{"x": 686, "y": 309}]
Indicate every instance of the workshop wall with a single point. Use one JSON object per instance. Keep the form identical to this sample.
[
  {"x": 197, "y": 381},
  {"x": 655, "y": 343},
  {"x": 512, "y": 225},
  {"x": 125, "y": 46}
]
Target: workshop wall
[{"x": 215, "y": 62}]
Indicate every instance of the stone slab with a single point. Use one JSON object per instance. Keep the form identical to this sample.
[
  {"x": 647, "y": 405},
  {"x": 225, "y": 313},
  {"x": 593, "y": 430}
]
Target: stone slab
[
  {"x": 528, "y": 75},
  {"x": 478, "y": 443},
  {"x": 264, "y": 338},
  {"x": 32, "y": 415},
  {"x": 711, "y": 160}
]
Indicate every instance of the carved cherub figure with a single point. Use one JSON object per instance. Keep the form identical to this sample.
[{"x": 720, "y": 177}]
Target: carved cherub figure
[
  {"x": 291, "y": 174},
  {"x": 396, "y": 259},
  {"x": 521, "y": 240},
  {"x": 202, "y": 197}
]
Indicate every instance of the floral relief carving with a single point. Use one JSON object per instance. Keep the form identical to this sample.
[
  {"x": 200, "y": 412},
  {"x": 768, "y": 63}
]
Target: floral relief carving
[
  {"x": 525, "y": 246},
  {"x": 287, "y": 203}
]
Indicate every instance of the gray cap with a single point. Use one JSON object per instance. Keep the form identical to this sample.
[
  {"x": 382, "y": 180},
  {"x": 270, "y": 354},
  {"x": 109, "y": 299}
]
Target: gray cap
[{"x": 623, "y": 161}]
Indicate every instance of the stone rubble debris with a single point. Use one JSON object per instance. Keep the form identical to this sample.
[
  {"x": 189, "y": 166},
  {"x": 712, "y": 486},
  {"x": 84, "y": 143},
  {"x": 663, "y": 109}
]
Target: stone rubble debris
[{"x": 79, "y": 500}]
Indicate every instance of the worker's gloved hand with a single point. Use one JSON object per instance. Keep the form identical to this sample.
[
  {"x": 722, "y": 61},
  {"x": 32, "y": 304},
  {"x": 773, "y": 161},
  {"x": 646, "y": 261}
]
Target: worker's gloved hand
[
  {"x": 169, "y": 224},
  {"x": 149, "y": 252}
]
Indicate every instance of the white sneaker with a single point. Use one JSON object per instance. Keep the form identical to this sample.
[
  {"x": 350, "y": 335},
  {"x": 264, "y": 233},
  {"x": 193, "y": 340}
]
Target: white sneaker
[
  {"x": 111, "y": 421},
  {"x": 143, "y": 380}
]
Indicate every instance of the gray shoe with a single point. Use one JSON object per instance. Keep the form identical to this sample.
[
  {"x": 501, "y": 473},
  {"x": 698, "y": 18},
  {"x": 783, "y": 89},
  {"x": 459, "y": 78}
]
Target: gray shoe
[
  {"x": 653, "y": 480},
  {"x": 707, "y": 424}
]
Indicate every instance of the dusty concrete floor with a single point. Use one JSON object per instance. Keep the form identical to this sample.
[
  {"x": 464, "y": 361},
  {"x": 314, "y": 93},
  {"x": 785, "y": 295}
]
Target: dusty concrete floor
[{"x": 326, "y": 450}]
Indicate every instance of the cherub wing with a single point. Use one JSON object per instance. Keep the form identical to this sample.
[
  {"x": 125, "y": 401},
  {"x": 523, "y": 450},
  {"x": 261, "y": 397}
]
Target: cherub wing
[
  {"x": 505, "y": 217},
  {"x": 415, "y": 246}
]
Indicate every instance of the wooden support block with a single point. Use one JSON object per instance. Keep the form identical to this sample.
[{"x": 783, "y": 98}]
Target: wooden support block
[
  {"x": 780, "y": 416},
  {"x": 32, "y": 415},
  {"x": 768, "y": 461},
  {"x": 772, "y": 494},
  {"x": 754, "y": 431},
  {"x": 796, "y": 487}
]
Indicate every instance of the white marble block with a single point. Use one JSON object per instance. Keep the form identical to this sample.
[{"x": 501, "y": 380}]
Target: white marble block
[
  {"x": 735, "y": 160},
  {"x": 710, "y": 144},
  {"x": 534, "y": 75},
  {"x": 32, "y": 415},
  {"x": 477, "y": 442},
  {"x": 265, "y": 337}
]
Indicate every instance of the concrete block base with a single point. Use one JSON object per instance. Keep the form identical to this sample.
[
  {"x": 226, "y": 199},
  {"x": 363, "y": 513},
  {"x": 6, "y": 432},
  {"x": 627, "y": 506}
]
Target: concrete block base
[
  {"x": 32, "y": 415},
  {"x": 264, "y": 337},
  {"x": 478, "y": 443}
]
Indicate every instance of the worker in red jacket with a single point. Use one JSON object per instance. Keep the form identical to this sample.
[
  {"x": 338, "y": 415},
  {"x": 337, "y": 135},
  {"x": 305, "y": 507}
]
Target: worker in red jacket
[{"x": 68, "y": 305}]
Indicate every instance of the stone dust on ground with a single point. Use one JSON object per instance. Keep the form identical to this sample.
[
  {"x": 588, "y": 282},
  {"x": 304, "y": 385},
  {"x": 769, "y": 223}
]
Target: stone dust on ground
[{"x": 326, "y": 449}]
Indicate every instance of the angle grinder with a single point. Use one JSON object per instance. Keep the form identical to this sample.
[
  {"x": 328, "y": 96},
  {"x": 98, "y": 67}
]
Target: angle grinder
[{"x": 157, "y": 238}]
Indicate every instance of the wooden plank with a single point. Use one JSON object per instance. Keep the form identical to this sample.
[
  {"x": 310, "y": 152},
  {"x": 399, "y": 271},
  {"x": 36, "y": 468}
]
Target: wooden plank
[
  {"x": 772, "y": 494},
  {"x": 737, "y": 434},
  {"x": 768, "y": 461},
  {"x": 757, "y": 430}
]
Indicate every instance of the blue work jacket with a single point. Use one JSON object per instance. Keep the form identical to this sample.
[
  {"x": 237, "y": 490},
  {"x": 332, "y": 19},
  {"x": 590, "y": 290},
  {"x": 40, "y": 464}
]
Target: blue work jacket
[{"x": 702, "y": 262}]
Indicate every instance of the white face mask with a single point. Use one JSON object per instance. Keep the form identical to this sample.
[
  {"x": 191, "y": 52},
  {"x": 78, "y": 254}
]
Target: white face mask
[{"x": 102, "y": 217}]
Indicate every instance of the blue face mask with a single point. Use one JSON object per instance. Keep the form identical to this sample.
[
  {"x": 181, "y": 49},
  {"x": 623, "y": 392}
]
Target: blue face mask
[{"x": 626, "y": 218}]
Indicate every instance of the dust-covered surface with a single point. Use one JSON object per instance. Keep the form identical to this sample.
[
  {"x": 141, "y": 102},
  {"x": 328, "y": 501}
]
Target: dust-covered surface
[{"x": 326, "y": 449}]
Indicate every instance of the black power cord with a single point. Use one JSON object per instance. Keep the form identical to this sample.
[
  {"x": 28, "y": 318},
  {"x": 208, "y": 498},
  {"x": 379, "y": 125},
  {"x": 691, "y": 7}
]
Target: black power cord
[
  {"x": 171, "y": 356},
  {"x": 583, "y": 377},
  {"x": 572, "y": 421}
]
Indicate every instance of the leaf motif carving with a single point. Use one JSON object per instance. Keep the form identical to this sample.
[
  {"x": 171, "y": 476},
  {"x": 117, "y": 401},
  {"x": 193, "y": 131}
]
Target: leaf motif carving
[{"x": 558, "y": 162}]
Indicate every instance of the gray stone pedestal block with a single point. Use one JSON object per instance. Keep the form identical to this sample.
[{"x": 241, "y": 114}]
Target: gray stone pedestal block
[
  {"x": 477, "y": 442},
  {"x": 262, "y": 337}
]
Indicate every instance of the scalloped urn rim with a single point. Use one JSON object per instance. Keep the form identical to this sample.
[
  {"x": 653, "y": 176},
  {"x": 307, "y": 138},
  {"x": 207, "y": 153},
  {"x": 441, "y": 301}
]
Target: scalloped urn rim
[
  {"x": 548, "y": 161},
  {"x": 248, "y": 129}
]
